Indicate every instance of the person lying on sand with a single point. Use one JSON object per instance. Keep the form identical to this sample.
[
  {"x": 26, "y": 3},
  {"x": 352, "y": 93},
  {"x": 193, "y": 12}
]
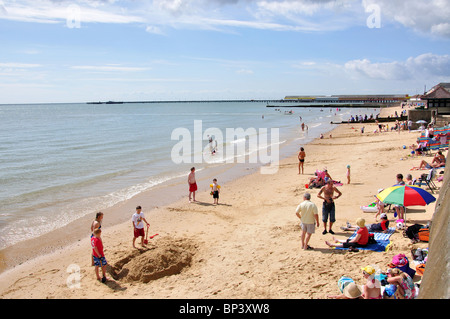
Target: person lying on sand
[{"x": 438, "y": 161}]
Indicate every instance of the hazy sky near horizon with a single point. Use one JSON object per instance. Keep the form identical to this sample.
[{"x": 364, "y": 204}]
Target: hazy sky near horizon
[{"x": 99, "y": 50}]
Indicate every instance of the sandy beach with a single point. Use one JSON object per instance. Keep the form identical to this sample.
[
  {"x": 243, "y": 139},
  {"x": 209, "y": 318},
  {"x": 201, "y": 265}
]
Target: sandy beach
[{"x": 248, "y": 246}]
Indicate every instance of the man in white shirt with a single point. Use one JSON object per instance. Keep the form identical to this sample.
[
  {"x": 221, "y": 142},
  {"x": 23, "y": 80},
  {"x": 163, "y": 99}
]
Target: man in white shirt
[
  {"x": 138, "y": 220},
  {"x": 307, "y": 212}
]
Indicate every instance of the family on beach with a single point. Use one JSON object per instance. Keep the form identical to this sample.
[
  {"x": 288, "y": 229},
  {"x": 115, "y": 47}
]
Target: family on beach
[
  {"x": 139, "y": 222},
  {"x": 397, "y": 282}
]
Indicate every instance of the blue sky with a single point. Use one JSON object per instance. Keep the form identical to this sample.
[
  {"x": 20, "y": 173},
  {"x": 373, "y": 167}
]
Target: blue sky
[{"x": 94, "y": 50}]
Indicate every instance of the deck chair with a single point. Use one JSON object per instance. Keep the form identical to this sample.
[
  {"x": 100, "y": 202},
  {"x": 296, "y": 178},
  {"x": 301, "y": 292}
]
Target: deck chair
[{"x": 427, "y": 179}]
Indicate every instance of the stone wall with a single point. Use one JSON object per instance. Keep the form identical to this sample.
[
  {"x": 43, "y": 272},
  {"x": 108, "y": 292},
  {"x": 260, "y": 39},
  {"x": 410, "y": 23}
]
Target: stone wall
[{"x": 435, "y": 281}]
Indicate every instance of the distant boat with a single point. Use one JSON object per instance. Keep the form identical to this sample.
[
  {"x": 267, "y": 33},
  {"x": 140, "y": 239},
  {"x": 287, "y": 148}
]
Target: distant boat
[{"x": 112, "y": 102}]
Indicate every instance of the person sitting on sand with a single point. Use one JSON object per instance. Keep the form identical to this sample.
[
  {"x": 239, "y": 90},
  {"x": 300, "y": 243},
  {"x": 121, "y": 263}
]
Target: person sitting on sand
[
  {"x": 438, "y": 161},
  {"x": 405, "y": 285},
  {"x": 351, "y": 291},
  {"x": 371, "y": 290},
  {"x": 316, "y": 181},
  {"x": 383, "y": 226},
  {"x": 361, "y": 239}
]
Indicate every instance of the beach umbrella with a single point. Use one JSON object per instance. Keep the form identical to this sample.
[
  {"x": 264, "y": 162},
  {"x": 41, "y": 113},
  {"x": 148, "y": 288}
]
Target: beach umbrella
[
  {"x": 406, "y": 195},
  {"x": 421, "y": 122}
]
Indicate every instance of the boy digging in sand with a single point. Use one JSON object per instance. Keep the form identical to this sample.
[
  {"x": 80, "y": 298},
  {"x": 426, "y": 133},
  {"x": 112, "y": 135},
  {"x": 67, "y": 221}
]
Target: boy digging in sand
[{"x": 138, "y": 220}]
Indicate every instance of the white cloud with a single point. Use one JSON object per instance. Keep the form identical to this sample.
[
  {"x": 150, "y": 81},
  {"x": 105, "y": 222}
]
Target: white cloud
[
  {"x": 154, "y": 30},
  {"x": 427, "y": 17},
  {"x": 423, "y": 66},
  {"x": 14, "y": 65},
  {"x": 108, "y": 68},
  {"x": 46, "y": 11},
  {"x": 244, "y": 71}
]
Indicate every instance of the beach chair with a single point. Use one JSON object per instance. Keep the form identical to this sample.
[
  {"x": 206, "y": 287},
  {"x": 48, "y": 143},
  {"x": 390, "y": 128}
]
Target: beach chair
[
  {"x": 427, "y": 179},
  {"x": 423, "y": 145}
]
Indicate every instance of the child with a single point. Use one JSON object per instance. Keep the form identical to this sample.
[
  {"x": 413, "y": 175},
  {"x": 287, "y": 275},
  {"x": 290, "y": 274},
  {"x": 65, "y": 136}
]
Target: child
[
  {"x": 138, "y": 225},
  {"x": 348, "y": 174},
  {"x": 215, "y": 189},
  {"x": 383, "y": 226},
  {"x": 99, "y": 256}
]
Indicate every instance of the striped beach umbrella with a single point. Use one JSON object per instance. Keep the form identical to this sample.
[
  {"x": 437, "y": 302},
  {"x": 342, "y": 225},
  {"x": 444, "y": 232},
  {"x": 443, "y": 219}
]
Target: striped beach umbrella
[{"x": 406, "y": 195}]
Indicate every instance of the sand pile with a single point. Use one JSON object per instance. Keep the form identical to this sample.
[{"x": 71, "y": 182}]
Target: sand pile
[{"x": 169, "y": 258}]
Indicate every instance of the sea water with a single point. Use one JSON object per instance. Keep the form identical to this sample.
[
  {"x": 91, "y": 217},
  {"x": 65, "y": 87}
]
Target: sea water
[{"x": 60, "y": 162}]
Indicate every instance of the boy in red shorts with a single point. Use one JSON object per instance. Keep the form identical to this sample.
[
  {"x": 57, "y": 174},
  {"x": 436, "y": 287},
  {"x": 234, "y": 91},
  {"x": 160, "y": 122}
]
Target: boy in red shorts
[{"x": 138, "y": 220}]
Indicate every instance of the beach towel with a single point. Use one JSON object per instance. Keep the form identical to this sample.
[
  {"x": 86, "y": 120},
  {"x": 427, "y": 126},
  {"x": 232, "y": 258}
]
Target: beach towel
[{"x": 383, "y": 241}]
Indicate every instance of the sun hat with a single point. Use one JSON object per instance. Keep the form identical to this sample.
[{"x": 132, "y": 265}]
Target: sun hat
[
  {"x": 369, "y": 270},
  {"x": 360, "y": 222},
  {"x": 352, "y": 291},
  {"x": 344, "y": 282}
]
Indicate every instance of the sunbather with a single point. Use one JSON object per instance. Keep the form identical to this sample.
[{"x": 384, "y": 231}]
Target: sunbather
[{"x": 438, "y": 161}]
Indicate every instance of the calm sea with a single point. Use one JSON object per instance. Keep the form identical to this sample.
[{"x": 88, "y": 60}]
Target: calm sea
[{"x": 59, "y": 162}]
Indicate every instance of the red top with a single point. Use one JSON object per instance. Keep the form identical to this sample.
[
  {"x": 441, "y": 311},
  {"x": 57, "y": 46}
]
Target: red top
[
  {"x": 97, "y": 242},
  {"x": 364, "y": 232}
]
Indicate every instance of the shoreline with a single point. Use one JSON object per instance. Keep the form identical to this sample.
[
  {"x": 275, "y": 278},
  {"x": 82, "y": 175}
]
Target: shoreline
[
  {"x": 161, "y": 195},
  {"x": 251, "y": 238}
]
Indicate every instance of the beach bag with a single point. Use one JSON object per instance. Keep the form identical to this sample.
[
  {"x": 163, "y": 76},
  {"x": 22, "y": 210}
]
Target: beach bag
[
  {"x": 424, "y": 234},
  {"x": 420, "y": 269}
]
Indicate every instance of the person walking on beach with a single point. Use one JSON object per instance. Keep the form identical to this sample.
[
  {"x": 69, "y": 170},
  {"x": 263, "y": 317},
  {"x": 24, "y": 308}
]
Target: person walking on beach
[
  {"x": 307, "y": 212},
  {"x": 328, "y": 208},
  {"x": 192, "y": 184},
  {"x": 138, "y": 220},
  {"x": 301, "y": 160},
  {"x": 99, "y": 256}
]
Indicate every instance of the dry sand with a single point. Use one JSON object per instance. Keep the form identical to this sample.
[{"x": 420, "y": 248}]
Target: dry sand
[{"x": 246, "y": 247}]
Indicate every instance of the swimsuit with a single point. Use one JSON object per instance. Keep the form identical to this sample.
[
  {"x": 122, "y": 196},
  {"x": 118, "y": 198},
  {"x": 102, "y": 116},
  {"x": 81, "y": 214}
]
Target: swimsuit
[{"x": 193, "y": 187}]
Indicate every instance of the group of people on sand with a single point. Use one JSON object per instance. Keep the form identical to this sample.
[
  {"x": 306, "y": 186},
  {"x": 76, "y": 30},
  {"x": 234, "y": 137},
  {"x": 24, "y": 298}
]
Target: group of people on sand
[
  {"x": 192, "y": 182},
  {"x": 98, "y": 255},
  {"x": 138, "y": 223},
  {"x": 307, "y": 212},
  {"x": 390, "y": 284},
  {"x": 396, "y": 281}
]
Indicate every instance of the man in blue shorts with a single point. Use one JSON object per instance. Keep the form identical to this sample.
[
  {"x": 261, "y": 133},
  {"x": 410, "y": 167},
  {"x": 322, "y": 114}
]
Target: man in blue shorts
[{"x": 328, "y": 208}]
